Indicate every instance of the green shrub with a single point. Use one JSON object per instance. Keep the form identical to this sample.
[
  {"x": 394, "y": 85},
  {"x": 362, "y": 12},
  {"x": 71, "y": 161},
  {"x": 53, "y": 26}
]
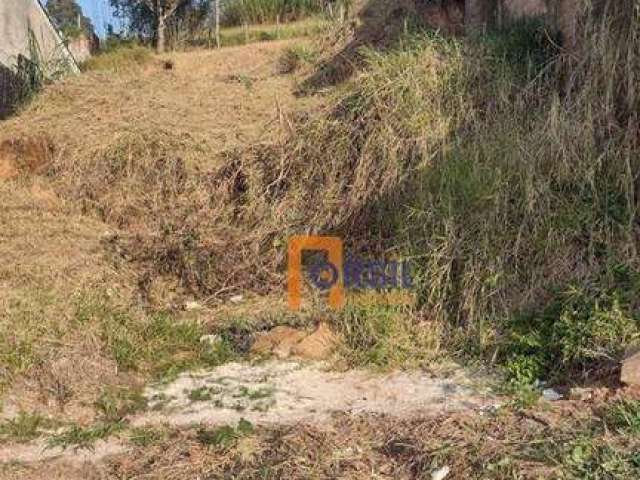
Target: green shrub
[{"x": 578, "y": 331}]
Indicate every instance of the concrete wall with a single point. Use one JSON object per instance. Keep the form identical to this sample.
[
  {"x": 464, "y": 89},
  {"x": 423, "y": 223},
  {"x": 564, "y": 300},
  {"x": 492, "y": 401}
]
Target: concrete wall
[
  {"x": 83, "y": 47},
  {"x": 17, "y": 18}
]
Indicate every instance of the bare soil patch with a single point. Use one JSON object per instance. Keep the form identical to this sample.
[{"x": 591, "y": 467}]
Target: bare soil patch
[{"x": 289, "y": 392}]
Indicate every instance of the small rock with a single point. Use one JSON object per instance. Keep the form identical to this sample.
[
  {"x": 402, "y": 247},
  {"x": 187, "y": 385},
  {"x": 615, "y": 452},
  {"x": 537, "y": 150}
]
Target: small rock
[
  {"x": 490, "y": 409},
  {"x": 236, "y": 299},
  {"x": 318, "y": 345},
  {"x": 279, "y": 341},
  {"x": 440, "y": 473},
  {"x": 581, "y": 394},
  {"x": 210, "y": 339},
  {"x": 192, "y": 305},
  {"x": 551, "y": 395},
  {"x": 284, "y": 342},
  {"x": 630, "y": 374}
]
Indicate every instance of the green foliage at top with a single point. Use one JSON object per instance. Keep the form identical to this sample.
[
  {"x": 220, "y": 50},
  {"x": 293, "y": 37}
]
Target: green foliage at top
[{"x": 68, "y": 17}]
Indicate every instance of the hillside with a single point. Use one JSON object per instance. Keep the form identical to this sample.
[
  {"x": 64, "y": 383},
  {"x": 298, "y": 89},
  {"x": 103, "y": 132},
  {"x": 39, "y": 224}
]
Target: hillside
[{"x": 148, "y": 204}]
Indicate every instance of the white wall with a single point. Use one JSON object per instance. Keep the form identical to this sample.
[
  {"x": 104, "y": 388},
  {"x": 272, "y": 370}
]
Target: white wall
[{"x": 16, "y": 18}]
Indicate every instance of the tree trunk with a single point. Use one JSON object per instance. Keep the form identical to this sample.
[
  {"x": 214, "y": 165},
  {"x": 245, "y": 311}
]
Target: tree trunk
[
  {"x": 218, "y": 23},
  {"x": 161, "y": 40}
]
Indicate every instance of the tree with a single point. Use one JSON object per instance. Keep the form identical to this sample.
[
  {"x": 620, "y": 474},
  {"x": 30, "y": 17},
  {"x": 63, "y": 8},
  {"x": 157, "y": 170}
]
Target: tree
[
  {"x": 68, "y": 17},
  {"x": 150, "y": 18},
  {"x": 162, "y": 9}
]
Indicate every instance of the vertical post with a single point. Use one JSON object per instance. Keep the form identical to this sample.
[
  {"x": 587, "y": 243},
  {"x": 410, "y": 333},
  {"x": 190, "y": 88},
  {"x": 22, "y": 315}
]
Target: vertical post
[
  {"x": 160, "y": 45},
  {"x": 218, "y": 23},
  {"x": 278, "y": 26},
  {"x": 246, "y": 32}
]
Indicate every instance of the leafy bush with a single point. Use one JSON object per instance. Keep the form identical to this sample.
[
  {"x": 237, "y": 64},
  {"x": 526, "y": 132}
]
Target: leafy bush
[{"x": 579, "y": 330}]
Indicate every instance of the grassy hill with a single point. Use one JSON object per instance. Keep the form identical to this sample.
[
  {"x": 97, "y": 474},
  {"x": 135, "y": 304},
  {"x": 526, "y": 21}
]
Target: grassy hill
[{"x": 502, "y": 165}]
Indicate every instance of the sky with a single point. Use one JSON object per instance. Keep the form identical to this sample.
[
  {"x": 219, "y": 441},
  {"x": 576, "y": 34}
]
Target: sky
[{"x": 100, "y": 13}]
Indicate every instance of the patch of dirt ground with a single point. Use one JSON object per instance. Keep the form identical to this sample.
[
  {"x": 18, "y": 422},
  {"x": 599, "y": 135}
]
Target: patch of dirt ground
[
  {"x": 288, "y": 392},
  {"x": 273, "y": 394}
]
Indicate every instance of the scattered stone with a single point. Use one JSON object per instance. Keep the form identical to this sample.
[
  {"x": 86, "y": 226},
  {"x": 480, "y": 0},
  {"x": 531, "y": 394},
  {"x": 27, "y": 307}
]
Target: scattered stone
[
  {"x": 581, "y": 394},
  {"x": 236, "y": 299},
  {"x": 285, "y": 342},
  {"x": 278, "y": 341},
  {"x": 550, "y": 395},
  {"x": 490, "y": 409},
  {"x": 192, "y": 305},
  {"x": 318, "y": 345},
  {"x": 630, "y": 374},
  {"x": 440, "y": 473},
  {"x": 211, "y": 340}
]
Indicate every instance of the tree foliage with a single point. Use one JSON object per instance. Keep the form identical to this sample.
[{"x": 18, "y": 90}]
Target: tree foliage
[
  {"x": 68, "y": 17},
  {"x": 142, "y": 18}
]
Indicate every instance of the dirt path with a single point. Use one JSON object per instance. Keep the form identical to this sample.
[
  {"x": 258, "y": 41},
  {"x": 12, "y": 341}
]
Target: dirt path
[
  {"x": 277, "y": 393},
  {"x": 288, "y": 392}
]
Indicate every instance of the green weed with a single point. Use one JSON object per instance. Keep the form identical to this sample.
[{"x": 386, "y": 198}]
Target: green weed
[
  {"x": 226, "y": 436},
  {"x": 146, "y": 436},
  {"x": 24, "y": 427},
  {"x": 83, "y": 438},
  {"x": 386, "y": 336},
  {"x": 295, "y": 57},
  {"x": 594, "y": 459},
  {"x": 158, "y": 343},
  {"x": 115, "y": 403},
  {"x": 577, "y": 331},
  {"x": 624, "y": 416}
]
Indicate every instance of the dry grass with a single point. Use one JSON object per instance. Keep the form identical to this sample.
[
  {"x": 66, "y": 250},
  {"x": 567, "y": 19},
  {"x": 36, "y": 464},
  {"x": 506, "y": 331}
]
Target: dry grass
[
  {"x": 569, "y": 440},
  {"x": 52, "y": 254},
  {"x": 136, "y": 158}
]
